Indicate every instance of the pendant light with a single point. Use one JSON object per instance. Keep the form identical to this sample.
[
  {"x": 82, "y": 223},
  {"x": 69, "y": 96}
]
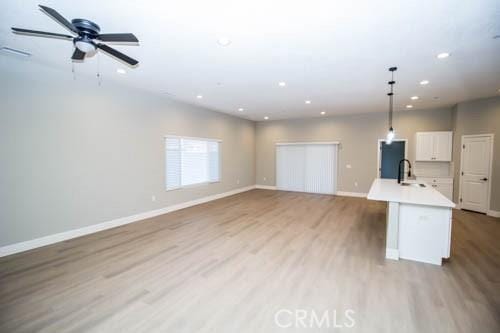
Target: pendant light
[{"x": 390, "y": 134}]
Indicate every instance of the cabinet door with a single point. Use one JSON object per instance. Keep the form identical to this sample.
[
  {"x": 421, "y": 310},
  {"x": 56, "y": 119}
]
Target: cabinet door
[
  {"x": 425, "y": 149},
  {"x": 442, "y": 145},
  {"x": 444, "y": 189},
  {"x": 423, "y": 233}
]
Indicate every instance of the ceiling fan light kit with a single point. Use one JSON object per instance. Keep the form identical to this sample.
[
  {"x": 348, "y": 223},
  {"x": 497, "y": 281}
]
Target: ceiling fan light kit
[
  {"x": 84, "y": 44},
  {"x": 86, "y": 37}
]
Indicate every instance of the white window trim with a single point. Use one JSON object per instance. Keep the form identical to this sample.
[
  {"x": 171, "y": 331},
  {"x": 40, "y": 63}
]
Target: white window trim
[
  {"x": 192, "y": 138},
  {"x": 308, "y": 143},
  {"x": 197, "y": 184}
]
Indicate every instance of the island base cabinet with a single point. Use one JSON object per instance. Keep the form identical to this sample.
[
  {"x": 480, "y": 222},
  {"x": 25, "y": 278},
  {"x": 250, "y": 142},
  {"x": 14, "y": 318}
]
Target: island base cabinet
[
  {"x": 424, "y": 233},
  {"x": 418, "y": 221},
  {"x": 392, "y": 234}
]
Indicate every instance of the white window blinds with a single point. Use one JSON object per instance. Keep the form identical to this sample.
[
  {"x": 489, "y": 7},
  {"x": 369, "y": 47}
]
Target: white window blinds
[
  {"x": 191, "y": 161},
  {"x": 307, "y": 168}
]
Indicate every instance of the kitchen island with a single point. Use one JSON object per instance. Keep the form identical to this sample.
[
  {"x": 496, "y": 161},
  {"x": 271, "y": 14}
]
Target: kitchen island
[{"x": 418, "y": 220}]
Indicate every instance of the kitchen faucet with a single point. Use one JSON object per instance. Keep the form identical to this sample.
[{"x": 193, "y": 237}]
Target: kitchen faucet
[{"x": 399, "y": 170}]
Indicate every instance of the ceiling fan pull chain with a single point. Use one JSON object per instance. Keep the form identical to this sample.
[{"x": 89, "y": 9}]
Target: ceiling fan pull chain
[
  {"x": 98, "y": 69},
  {"x": 73, "y": 70}
]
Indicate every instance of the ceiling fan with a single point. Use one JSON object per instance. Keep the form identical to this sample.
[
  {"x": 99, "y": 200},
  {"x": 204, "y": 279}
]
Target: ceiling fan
[{"x": 86, "y": 37}]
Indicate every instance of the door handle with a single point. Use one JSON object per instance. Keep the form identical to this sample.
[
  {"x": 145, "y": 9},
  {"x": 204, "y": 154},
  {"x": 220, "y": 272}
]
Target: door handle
[{"x": 485, "y": 179}]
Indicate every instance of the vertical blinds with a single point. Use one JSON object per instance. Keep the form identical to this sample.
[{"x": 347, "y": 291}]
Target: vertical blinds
[
  {"x": 307, "y": 168},
  {"x": 191, "y": 161}
]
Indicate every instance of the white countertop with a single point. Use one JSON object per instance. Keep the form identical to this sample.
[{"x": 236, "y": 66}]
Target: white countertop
[{"x": 390, "y": 190}]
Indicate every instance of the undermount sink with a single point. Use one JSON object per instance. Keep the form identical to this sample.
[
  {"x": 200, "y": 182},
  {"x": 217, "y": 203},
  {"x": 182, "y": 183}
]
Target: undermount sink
[{"x": 413, "y": 184}]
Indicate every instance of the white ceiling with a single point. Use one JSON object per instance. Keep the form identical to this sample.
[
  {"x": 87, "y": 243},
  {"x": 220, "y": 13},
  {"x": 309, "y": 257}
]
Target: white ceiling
[{"x": 334, "y": 53}]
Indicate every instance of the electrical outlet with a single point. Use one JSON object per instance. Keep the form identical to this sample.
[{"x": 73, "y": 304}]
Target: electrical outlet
[
  {"x": 356, "y": 184},
  {"x": 153, "y": 198},
  {"x": 265, "y": 179},
  {"x": 237, "y": 181}
]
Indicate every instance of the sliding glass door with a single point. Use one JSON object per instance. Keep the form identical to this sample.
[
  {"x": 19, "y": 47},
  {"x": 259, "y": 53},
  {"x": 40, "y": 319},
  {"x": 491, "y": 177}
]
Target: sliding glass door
[{"x": 307, "y": 167}]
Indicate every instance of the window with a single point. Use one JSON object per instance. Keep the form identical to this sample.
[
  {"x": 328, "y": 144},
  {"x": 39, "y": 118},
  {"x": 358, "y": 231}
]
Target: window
[{"x": 191, "y": 161}]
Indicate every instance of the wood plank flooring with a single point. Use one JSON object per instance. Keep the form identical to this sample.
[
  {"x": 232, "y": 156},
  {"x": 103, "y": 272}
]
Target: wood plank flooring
[{"x": 231, "y": 264}]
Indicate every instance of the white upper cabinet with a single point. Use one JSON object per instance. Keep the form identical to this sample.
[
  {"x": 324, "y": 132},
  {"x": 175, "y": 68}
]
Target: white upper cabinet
[
  {"x": 443, "y": 146},
  {"x": 434, "y": 146},
  {"x": 425, "y": 146}
]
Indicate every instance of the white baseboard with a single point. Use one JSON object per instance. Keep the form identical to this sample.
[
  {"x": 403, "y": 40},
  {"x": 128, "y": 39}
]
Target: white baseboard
[
  {"x": 494, "y": 213},
  {"x": 391, "y": 254},
  {"x": 341, "y": 193},
  {"x": 352, "y": 194},
  {"x": 265, "y": 187},
  {"x": 62, "y": 236}
]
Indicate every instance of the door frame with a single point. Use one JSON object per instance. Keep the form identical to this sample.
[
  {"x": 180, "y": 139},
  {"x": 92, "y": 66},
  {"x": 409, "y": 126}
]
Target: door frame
[
  {"x": 492, "y": 138},
  {"x": 379, "y": 155}
]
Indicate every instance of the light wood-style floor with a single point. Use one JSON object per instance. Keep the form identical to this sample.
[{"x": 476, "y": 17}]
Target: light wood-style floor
[{"x": 231, "y": 264}]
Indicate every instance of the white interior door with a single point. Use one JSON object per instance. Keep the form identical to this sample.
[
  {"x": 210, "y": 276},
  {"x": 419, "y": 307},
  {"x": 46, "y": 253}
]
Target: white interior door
[
  {"x": 306, "y": 168},
  {"x": 475, "y": 172}
]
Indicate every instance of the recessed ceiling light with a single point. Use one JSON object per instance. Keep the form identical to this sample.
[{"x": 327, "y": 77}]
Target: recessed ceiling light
[
  {"x": 199, "y": 96},
  {"x": 266, "y": 118},
  {"x": 424, "y": 82},
  {"x": 409, "y": 106},
  {"x": 241, "y": 109},
  {"x": 308, "y": 102},
  {"x": 414, "y": 98},
  {"x": 282, "y": 84},
  {"x": 323, "y": 112},
  {"x": 223, "y": 41},
  {"x": 121, "y": 71},
  {"x": 443, "y": 55}
]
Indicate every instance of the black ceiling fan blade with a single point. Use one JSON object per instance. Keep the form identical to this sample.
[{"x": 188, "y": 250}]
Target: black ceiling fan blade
[
  {"x": 59, "y": 18},
  {"x": 78, "y": 55},
  {"x": 40, "y": 33},
  {"x": 120, "y": 38},
  {"x": 117, "y": 54}
]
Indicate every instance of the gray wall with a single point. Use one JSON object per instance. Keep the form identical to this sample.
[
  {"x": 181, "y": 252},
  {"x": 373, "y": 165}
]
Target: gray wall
[
  {"x": 479, "y": 117},
  {"x": 358, "y": 135},
  {"x": 76, "y": 154}
]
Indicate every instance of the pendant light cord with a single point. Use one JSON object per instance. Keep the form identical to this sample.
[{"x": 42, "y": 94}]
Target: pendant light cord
[{"x": 391, "y": 96}]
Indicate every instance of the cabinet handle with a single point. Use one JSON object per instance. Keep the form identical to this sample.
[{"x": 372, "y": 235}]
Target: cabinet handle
[{"x": 485, "y": 179}]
